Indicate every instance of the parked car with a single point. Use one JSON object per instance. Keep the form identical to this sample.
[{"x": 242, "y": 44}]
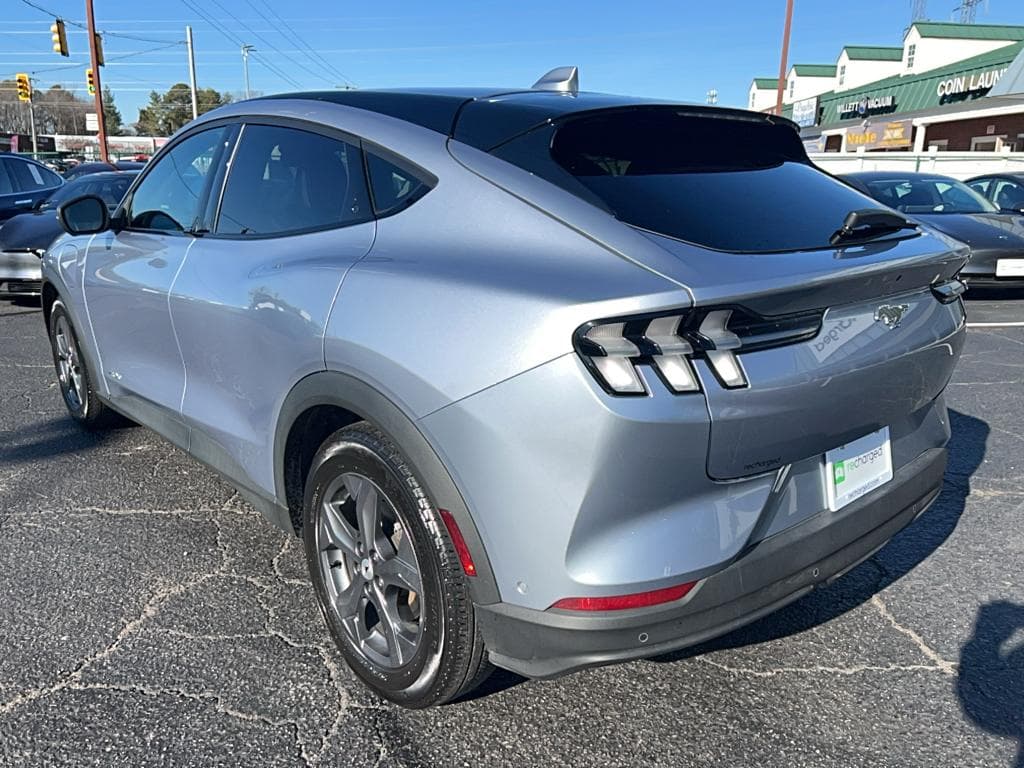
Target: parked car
[
  {"x": 996, "y": 237},
  {"x": 531, "y": 385},
  {"x": 25, "y": 237},
  {"x": 83, "y": 169},
  {"x": 1004, "y": 190},
  {"x": 23, "y": 184}
]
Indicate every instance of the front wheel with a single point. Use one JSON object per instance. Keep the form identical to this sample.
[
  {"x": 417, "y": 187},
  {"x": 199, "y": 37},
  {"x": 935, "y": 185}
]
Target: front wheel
[
  {"x": 387, "y": 577},
  {"x": 73, "y": 374}
]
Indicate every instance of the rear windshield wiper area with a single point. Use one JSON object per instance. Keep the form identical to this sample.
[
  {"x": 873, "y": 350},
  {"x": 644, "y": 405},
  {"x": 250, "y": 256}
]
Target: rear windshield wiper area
[{"x": 868, "y": 224}]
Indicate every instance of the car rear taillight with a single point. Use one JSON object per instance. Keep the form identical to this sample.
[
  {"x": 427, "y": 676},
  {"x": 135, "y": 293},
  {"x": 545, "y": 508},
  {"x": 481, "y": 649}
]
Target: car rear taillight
[
  {"x": 625, "y": 602},
  {"x": 615, "y": 349}
]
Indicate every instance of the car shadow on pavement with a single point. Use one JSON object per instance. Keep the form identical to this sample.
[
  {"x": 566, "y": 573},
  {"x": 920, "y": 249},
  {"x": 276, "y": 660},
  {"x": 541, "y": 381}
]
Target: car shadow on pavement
[
  {"x": 991, "y": 680},
  {"x": 50, "y": 438},
  {"x": 896, "y": 559}
]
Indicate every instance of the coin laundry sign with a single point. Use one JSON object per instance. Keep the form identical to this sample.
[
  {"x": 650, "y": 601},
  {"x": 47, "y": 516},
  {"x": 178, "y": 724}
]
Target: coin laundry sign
[
  {"x": 867, "y": 106},
  {"x": 969, "y": 83}
]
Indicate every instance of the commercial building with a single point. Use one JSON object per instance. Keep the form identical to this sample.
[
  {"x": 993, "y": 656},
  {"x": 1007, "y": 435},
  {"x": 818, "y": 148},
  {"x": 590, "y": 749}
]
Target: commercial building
[{"x": 931, "y": 93}]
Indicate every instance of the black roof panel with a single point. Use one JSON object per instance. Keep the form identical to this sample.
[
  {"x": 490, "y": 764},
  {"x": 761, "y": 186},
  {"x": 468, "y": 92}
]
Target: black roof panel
[
  {"x": 487, "y": 117},
  {"x": 435, "y": 109}
]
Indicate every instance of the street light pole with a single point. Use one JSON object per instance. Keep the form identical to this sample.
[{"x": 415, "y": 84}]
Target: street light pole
[
  {"x": 245, "y": 65},
  {"x": 785, "y": 57},
  {"x": 192, "y": 70},
  {"x": 101, "y": 122}
]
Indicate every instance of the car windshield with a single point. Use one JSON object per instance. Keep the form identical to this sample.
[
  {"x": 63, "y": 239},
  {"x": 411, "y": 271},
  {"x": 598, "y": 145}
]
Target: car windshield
[
  {"x": 924, "y": 195},
  {"x": 110, "y": 189}
]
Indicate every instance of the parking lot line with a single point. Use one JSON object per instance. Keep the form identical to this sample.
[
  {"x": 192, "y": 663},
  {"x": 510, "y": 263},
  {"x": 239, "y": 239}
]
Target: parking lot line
[{"x": 996, "y": 325}]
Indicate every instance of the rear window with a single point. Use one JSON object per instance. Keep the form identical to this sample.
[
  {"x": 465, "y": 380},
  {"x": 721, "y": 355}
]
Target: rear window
[
  {"x": 724, "y": 183},
  {"x": 917, "y": 195}
]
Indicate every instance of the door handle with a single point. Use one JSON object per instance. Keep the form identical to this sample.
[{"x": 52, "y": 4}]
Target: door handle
[{"x": 23, "y": 202}]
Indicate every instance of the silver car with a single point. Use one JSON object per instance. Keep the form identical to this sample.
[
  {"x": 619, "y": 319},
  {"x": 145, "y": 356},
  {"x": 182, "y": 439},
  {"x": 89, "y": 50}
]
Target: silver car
[{"x": 544, "y": 379}]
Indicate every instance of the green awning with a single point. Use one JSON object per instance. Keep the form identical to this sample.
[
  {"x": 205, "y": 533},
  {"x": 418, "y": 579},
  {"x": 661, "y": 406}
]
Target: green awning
[{"x": 953, "y": 84}]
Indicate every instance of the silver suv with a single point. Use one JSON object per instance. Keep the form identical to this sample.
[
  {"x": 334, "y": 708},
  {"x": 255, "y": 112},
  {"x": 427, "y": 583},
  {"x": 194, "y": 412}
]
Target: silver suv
[{"x": 544, "y": 379}]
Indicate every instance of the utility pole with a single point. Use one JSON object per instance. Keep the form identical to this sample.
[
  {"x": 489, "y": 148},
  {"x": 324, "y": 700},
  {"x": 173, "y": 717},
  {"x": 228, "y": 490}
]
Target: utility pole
[
  {"x": 246, "y": 49},
  {"x": 101, "y": 122},
  {"x": 785, "y": 57},
  {"x": 192, "y": 70}
]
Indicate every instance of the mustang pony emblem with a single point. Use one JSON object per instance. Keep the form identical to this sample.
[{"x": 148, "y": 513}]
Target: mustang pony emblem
[{"x": 891, "y": 314}]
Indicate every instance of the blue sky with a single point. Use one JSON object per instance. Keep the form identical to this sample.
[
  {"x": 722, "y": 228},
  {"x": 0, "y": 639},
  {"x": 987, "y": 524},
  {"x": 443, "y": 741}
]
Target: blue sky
[{"x": 672, "y": 49}]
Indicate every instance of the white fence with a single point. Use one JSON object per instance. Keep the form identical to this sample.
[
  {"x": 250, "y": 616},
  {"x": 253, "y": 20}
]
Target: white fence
[{"x": 959, "y": 165}]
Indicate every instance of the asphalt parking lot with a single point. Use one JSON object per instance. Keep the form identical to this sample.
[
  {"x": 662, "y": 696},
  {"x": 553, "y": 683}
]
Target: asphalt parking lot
[{"x": 149, "y": 617}]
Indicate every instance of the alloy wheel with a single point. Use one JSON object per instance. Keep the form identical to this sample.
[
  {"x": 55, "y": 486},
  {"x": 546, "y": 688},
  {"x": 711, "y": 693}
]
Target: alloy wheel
[
  {"x": 69, "y": 368},
  {"x": 371, "y": 571}
]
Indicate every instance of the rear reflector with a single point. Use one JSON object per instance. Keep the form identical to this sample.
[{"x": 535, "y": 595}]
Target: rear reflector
[
  {"x": 624, "y": 602},
  {"x": 459, "y": 543}
]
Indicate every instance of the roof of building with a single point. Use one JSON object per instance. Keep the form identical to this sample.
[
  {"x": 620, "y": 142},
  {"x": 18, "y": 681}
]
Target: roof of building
[
  {"x": 874, "y": 52},
  {"x": 969, "y": 31},
  {"x": 766, "y": 83},
  {"x": 913, "y": 93},
  {"x": 815, "y": 70}
]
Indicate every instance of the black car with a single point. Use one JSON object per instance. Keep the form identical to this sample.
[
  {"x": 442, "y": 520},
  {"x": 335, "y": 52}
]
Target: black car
[
  {"x": 83, "y": 169},
  {"x": 1005, "y": 190},
  {"x": 25, "y": 237},
  {"x": 996, "y": 236},
  {"x": 24, "y": 183}
]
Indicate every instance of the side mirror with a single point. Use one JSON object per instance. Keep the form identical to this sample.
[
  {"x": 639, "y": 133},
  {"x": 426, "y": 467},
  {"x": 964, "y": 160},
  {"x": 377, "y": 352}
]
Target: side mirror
[
  {"x": 1017, "y": 211},
  {"x": 84, "y": 215}
]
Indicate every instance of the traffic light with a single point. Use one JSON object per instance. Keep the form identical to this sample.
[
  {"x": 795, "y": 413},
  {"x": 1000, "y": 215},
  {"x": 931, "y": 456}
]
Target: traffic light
[
  {"x": 60, "y": 37},
  {"x": 90, "y": 82},
  {"x": 24, "y": 87},
  {"x": 99, "y": 50}
]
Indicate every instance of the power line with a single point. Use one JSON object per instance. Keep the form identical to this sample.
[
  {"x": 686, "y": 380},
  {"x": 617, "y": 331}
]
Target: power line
[
  {"x": 267, "y": 42},
  {"x": 110, "y": 59},
  {"x": 54, "y": 15},
  {"x": 297, "y": 40},
  {"x": 231, "y": 37}
]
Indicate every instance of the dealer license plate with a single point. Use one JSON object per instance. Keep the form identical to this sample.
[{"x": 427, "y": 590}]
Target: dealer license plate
[{"x": 857, "y": 468}]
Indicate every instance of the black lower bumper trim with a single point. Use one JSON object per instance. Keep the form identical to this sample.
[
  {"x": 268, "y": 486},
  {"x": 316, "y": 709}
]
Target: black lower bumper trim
[{"x": 773, "y": 573}]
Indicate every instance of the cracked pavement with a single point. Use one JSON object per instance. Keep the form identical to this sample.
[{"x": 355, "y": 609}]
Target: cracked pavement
[{"x": 148, "y": 617}]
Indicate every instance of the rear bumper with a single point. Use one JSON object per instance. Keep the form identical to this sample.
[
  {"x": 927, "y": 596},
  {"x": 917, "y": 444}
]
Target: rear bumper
[
  {"x": 20, "y": 272},
  {"x": 774, "y": 572}
]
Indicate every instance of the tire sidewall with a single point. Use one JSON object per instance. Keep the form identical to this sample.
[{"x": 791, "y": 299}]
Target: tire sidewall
[
  {"x": 414, "y": 679},
  {"x": 84, "y": 410}
]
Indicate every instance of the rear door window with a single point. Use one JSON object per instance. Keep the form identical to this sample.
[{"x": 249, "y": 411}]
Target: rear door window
[
  {"x": 285, "y": 180},
  {"x": 724, "y": 183},
  {"x": 29, "y": 177}
]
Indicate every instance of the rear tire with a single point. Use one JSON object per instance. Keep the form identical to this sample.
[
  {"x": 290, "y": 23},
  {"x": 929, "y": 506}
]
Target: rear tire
[
  {"x": 73, "y": 374},
  {"x": 387, "y": 577}
]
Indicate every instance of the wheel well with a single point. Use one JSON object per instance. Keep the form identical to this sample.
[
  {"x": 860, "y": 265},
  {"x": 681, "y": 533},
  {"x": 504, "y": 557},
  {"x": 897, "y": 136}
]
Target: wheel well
[
  {"x": 49, "y": 296},
  {"x": 306, "y": 435}
]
